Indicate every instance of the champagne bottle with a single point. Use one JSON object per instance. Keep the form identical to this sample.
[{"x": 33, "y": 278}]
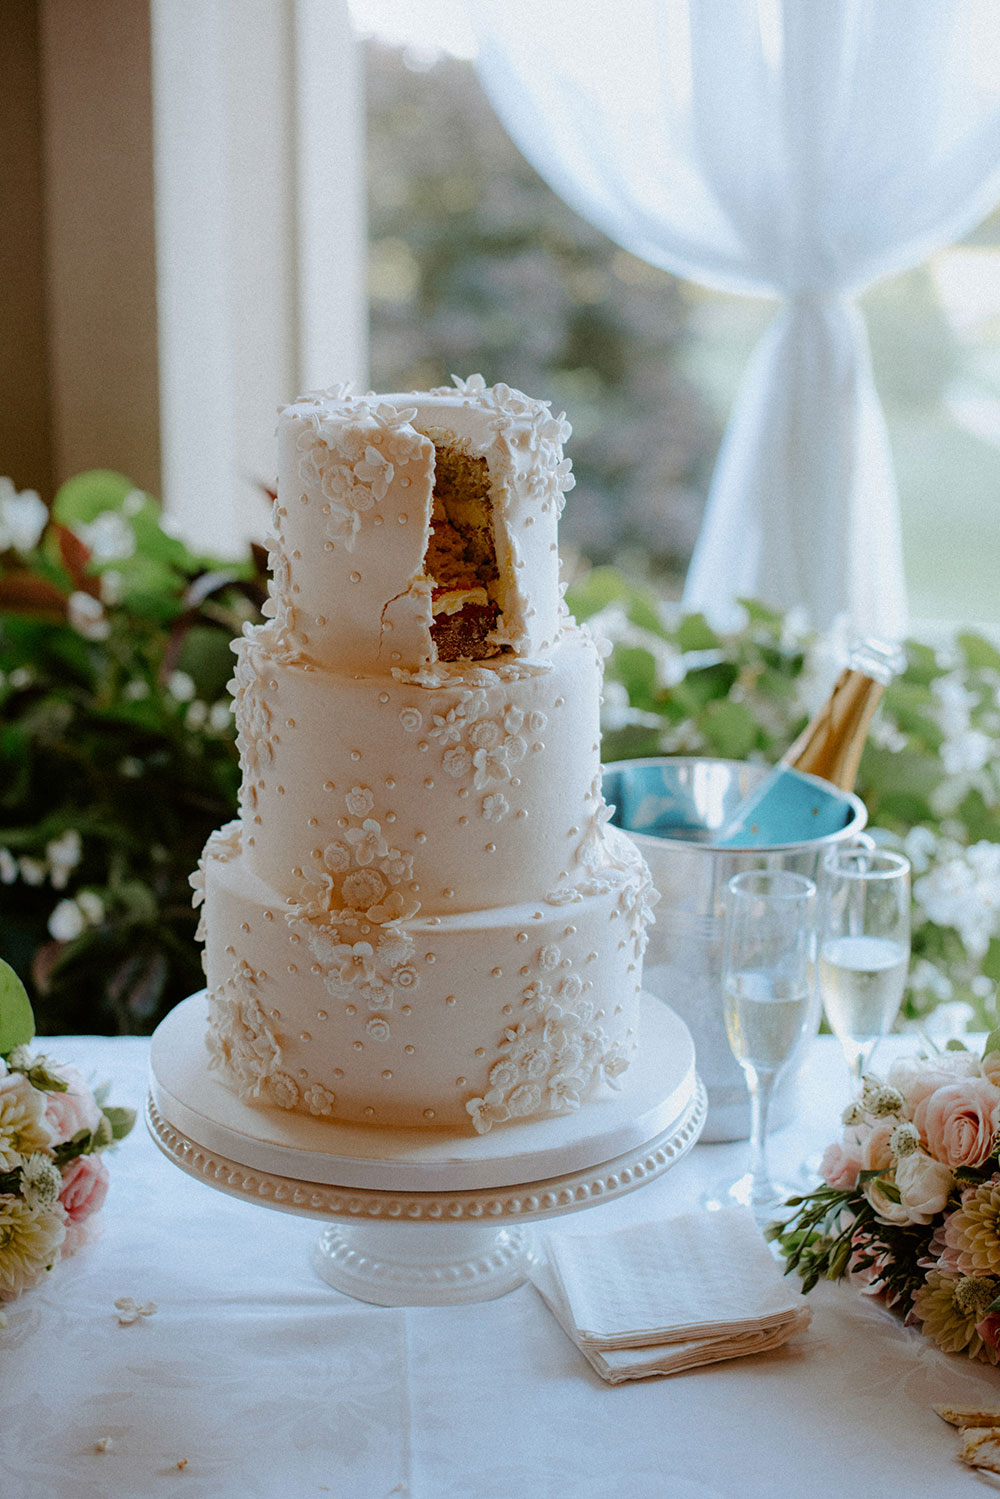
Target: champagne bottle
[{"x": 830, "y": 745}]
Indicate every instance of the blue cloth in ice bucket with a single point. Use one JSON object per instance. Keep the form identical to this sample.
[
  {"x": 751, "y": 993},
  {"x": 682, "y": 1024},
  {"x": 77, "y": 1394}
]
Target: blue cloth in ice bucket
[{"x": 695, "y": 800}]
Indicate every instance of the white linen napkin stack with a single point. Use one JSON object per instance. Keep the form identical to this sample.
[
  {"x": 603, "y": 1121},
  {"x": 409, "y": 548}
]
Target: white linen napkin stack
[{"x": 663, "y": 1297}]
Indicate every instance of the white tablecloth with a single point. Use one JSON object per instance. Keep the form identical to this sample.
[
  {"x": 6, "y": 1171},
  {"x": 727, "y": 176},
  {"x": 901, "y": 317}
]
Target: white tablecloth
[{"x": 254, "y": 1378}]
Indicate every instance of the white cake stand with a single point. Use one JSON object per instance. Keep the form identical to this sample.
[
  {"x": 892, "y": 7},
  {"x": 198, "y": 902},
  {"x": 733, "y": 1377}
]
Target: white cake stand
[{"x": 422, "y": 1217}]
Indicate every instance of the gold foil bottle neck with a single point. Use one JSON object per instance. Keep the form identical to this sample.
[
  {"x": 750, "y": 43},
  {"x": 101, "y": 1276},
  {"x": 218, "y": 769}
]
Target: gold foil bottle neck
[{"x": 832, "y": 743}]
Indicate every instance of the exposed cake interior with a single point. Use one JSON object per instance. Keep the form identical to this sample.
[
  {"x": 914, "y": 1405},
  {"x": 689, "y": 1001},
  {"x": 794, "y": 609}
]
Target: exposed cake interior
[{"x": 461, "y": 558}]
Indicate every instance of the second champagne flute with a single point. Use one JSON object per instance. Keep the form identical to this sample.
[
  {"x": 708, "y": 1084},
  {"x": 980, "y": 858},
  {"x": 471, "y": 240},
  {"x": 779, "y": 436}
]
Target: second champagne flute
[{"x": 864, "y": 949}]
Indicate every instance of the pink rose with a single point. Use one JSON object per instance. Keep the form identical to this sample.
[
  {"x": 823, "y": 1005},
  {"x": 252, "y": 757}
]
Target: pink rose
[
  {"x": 917, "y": 1077},
  {"x": 957, "y": 1123},
  {"x": 874, "y": 1146},
  {"x": 73, "y": 1110},
  {"x": 840, "y": 1165},
  {"x": 84, "y": 1188}
]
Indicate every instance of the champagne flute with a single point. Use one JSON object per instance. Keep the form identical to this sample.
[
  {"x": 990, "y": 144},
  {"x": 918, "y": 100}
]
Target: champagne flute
[
  {"x": 864, "y": 950},
  {"x": 769, "y": 1002}
]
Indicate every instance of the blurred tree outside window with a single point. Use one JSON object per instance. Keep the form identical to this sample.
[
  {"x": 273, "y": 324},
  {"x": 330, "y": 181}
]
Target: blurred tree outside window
[{"x": 475, "y": 265}]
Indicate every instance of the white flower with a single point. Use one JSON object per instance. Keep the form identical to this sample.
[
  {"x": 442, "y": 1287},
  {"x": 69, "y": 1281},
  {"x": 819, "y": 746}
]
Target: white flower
[
  {"x": 284, "y": 1090},
  {"x": 495, "y": 807},
  {"x": 412, "y": 719},
  {"x": 22, "y": 518},
  {"x": 964, "y": 893},
  {"x": 491, "y": 765},
  {"x": 488, "y": 1111},
  {"x": 109, "y": 537},
  {"x": 969, "y": 751},
  {"x": 130, "y": 1311},
  {"x": 219, "y": 717},
  {"x": 319, "y": 1100},
  {"x": 63, "y": 854},
  {"x": 23, "y": 1127},
  {"x": 360, "y": 801},
  {"x": 955, "y": 703},
  {"x": 91, "y": 905},
  {"x": 181, "y": 686},
  {"x": 337, "y": 857},
  {"x": 41, "y": 1181},
  {"x": 367, "y": 842},
  {"x": 8, "y": 867},
  {"x": 363, "y": 888},
  {"x": 112, "y": 584},
  {"x": 457, "y": 761},
  {"x": 86, "y": 615},
  {"x": 29, "y": 1244},
  {"x": 33, "y": 871},
  {"x": 923, "y": 1185},
  {"x": 67, "y": 921},
  {"x": 485, "y": 734}
]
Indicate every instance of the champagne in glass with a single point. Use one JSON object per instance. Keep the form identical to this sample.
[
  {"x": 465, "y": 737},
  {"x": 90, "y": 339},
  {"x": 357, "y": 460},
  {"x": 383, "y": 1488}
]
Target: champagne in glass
[
  {"x": 768, "y": 983},
  {"x": 864, "y": 946},
  {"x": 766, "y": 1016}
]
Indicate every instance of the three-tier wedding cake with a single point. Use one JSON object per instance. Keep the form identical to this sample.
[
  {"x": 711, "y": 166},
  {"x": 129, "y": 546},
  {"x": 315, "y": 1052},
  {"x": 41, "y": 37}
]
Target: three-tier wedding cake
[{"x": 421, "y": 917}]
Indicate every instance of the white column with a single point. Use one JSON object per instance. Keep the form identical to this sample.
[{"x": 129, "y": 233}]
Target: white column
[{"x": 258, "y": 176}]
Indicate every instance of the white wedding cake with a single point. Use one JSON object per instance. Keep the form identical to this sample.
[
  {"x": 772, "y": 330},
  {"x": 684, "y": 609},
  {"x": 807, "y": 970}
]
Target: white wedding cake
[{"x": 421, "y": 917}]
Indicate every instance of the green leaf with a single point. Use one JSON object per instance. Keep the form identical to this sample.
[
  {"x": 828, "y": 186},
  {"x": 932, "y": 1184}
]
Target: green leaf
[
  {"x": 595, "y": 590},
  {"x": 730, "y": 728},
  {"x": 978, "y": 652},
  {"x": 696, "y": 634},
  {"x": 636, "y": 667},
  {"x": 17, "y": 1020},
  {"x": 84, "y": 497},
  {"x": 992, "y": 1043},
  {"x": 121, "y": 1121}
]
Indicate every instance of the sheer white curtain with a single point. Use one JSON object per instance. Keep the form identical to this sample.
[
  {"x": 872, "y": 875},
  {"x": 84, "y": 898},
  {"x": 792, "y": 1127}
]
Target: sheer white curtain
[{"x": 796, "y": 148}]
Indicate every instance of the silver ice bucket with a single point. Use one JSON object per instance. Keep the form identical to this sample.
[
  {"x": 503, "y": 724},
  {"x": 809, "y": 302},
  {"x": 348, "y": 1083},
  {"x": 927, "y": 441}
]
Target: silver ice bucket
[{"x": 671, "y": 807}]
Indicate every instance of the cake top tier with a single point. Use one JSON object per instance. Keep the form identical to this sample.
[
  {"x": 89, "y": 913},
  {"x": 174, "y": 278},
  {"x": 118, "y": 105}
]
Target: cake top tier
[{"x": 417, "y": 528}]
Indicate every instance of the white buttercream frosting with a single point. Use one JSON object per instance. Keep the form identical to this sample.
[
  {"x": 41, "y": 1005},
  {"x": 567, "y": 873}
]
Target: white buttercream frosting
[{"x": 420, "y": 917}]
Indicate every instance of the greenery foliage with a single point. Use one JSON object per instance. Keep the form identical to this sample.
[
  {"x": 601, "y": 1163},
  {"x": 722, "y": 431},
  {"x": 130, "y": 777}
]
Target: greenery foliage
[{"x": 117, "y": 752}]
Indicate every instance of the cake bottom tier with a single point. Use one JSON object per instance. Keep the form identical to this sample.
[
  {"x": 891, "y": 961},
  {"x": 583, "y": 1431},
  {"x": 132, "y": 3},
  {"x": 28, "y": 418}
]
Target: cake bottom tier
[{"x": 459, "y": 1021}]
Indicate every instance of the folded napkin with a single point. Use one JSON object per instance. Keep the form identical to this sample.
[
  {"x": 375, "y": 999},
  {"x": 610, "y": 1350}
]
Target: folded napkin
[{"x": 662, "y": 1297}]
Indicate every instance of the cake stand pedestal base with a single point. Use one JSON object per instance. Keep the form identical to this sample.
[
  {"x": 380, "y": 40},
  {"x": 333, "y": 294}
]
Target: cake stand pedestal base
[
  {"x": 416, "y": 1264},
  {"x": 421, "y": 1217}
]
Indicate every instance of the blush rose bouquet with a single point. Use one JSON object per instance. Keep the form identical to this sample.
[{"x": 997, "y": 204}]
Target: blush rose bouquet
[
  {"x": 53, "y": 1132},
  {"x": 909, "y": 1206}
]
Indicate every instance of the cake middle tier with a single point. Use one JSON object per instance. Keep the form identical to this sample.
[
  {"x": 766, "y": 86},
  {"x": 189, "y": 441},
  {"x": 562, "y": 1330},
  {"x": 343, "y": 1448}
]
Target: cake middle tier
[{"x": 452, "y": 789}]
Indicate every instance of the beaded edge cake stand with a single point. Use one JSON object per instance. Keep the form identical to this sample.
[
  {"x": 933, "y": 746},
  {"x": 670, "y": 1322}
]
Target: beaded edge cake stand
[{"x": 429, "y": 1220}]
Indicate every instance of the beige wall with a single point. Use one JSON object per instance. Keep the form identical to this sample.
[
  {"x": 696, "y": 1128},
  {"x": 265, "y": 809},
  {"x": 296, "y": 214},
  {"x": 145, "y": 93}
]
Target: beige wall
[
  {"x": 101, "y": 269},
  {"x": 181, "y": 241},
  {"x": 78, "y": 372},
  {"x": 24, "y": 396}
]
